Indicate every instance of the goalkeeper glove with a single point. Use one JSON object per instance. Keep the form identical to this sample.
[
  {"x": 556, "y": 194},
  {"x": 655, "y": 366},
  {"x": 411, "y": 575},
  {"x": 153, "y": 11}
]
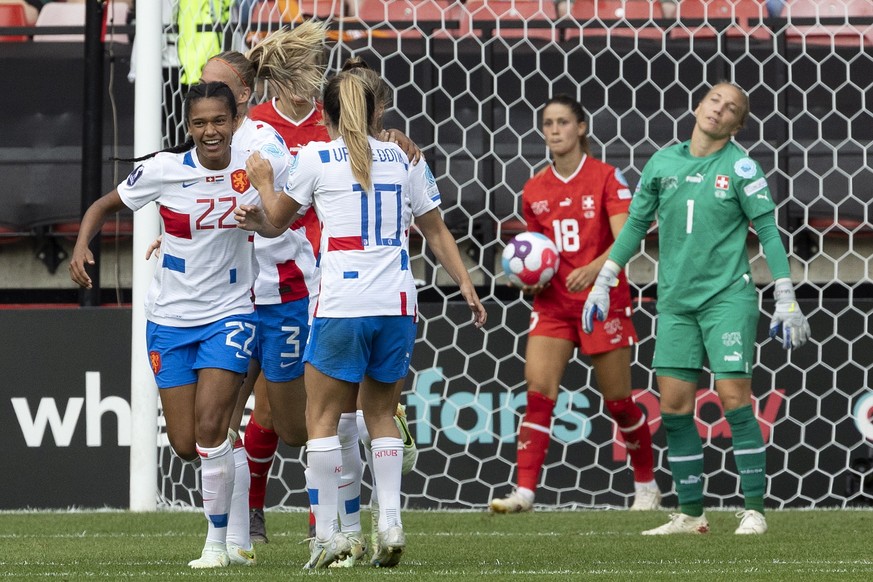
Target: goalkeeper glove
[
  {"x": 788, "y": 321},
  {"x": 597, "y": 304}
]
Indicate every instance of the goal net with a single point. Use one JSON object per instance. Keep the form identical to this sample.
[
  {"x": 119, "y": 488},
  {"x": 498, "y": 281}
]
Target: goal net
[{"x": 470, "y": 80}]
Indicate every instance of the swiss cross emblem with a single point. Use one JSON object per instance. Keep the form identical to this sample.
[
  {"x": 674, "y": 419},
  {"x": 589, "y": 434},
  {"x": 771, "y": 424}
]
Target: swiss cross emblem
[
  {"x": 722, "y": 182},
  {"x": 588, "y": 203},
  {"x": 240, "y": 181}
]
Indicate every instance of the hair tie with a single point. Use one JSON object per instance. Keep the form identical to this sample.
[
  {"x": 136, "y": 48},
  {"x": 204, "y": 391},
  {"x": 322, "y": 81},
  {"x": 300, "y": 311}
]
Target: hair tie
[{"x": 232, "y": 68}]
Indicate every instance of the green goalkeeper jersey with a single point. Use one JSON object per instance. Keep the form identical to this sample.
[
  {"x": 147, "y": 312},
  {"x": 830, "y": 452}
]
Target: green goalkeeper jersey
[{"x": 703, "y": 206}]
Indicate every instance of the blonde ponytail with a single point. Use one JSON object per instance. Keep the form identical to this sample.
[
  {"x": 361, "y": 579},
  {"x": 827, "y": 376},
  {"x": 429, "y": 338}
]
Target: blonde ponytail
[{"x": 350, "y": 105}]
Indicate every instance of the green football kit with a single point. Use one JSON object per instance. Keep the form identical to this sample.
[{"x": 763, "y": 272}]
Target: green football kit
[{"x": 707, "y": 303}]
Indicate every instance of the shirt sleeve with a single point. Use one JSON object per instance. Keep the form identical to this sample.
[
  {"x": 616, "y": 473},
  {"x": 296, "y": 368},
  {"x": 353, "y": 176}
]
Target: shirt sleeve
[
  {"x": 617, "y": 192},
  {"x": 424, "y": 194},
  {"x": 274, "y": 151},
  {"x": 774, "y": 252},
  {"x": 303, "y": 174},
  {"x": 642, "y": 212},
  {"x": 753, "y": 191},
  {"x": 143, "y": 184}
]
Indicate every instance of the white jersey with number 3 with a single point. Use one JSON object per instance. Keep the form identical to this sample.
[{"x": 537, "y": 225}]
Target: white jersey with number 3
[
  {"x": 365, "y": 268},
  {"x": 206, "y": 265},
  {"x": 286, "y": 269}
]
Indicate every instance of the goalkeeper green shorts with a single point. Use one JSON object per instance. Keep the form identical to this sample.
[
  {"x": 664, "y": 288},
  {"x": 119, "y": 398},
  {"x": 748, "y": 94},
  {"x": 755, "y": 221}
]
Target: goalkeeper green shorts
[{"x": 724, "y": 332}]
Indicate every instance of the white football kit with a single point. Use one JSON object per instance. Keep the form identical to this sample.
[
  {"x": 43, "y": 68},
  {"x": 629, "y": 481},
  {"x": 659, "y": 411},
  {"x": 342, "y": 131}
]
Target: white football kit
[
  {"x": 364, "y": 263},
  {"x": 286, "y": 269},
  {"x": 206, "y": 266}
]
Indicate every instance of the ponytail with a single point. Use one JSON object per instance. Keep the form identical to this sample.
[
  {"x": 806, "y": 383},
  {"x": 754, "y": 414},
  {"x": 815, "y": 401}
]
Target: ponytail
[{"x": 350, "y": 106}]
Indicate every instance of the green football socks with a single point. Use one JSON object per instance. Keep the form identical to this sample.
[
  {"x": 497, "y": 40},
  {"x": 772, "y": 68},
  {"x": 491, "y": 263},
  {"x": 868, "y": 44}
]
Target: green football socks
[
  {"x": 749, "y": 454},
  {"x": 685, "y": 455}
]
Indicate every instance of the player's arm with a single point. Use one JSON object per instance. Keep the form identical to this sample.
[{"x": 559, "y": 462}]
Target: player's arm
[
  {"x": 642, "y": 211},
  {"x": 583, "y": 277},
  {"x": 278, "y": 211},
  {"x": 445, "y": 249},
  {"x": 91, "y": 224}
]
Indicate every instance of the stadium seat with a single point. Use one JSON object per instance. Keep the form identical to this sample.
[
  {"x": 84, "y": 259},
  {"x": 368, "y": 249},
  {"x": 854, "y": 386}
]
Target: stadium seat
[
  {"x": 615, "y": 13},
  {"x": 13, "y": 15},
  {"x": 10, "y": 234},
  {"x": 73, "y": 14},
  {"x": 854, "y": 35},
  {"x": 110, "y": 230},
  {"x": 264, "y": 12},
  {"x": 841, "y": 228},
  {"x": 746, "y": 14},
  {"x": 517, "y": 13},
  {"x": 293, "y": 10},
  {"x": 404, "y": 14}
]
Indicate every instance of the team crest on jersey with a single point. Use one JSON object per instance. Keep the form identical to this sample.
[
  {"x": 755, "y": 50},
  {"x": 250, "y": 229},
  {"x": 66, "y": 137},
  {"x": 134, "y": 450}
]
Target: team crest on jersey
[
  {"x": 239, "y": 180},
  {"x": 540, "y": 207},
  {"x": 722, "y": 182},
  {"x": 155, "y": 361},
  {"x": 745, "y": 168},
  {"x": 134, "y": 175}
]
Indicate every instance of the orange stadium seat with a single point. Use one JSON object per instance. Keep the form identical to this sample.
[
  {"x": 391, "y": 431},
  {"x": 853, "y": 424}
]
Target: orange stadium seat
[
  {"x": 613, "y": 12},
  {"x": 747, "y": 15},
  {"x": 13, "y": 15},
  {"x": 264, "y": 12},
  {"x": 404, "y": 14},
  {"x": 517, "y": 12},
  {"x": 829, "y": 34}
]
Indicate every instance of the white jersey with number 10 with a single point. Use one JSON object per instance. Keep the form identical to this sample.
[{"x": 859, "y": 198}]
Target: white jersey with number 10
[{"x": 365, "y": 269}]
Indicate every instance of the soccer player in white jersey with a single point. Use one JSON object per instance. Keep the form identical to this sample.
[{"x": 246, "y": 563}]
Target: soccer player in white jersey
[
  {"x": 201, "y": 324},
  {"x": 366, "y": 193},
  {"x": 287, "y": 277}
]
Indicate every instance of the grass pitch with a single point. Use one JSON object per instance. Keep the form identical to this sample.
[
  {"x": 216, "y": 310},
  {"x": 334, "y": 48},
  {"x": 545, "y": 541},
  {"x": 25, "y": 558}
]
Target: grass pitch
[{"x": 577, "y": 545}]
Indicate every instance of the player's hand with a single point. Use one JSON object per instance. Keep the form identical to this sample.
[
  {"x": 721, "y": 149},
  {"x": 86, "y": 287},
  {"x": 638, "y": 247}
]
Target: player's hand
[
  {"x": 260, "y": 172},
  {"x": 581, "y": 278},
  {"x": 250, "y": 217},
  {"x": 480, "y": 316},
  {"x": 788, "y": 324},
  {"x": 597, "y": 304},
  {"x": 154, "y": 247},
  {"x": 81, "y": 256},
  {"x": 408, "y": 146}
]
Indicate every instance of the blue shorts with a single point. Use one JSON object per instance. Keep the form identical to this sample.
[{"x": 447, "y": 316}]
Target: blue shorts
[
  {"x": 349, "y": 348},
  {"x": 283, "y": 329},
  {"x": 177, "y": 353}
]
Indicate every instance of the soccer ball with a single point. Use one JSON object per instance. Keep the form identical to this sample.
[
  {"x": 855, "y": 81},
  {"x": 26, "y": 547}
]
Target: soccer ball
[{"x": 530, "y": 259}]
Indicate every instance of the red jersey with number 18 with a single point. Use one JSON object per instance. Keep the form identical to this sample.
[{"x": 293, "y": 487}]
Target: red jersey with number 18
[{"x": 574, "y": 212}]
